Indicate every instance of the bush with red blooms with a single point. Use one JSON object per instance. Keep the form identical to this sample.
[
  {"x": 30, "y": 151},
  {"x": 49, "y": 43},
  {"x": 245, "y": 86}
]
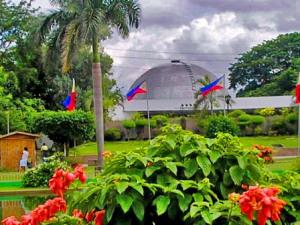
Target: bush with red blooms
[
  {"x": 59, "y": 184},
  {"x": 265, "y": 153},
  {"x": 260, "y": 201}
]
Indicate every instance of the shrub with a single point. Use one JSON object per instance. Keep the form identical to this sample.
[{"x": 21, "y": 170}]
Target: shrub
[
  {"x": 181, "y": 178},
  {"x": 292, "y": 118},
  {"x": 244, "y": 119},
  {"x": 63, "y": 127},
  {"x": 141, "y": 123},
  {"x": 161, "y": 120},
  {"x": 128, "y": 124},
  {"x": 265, "y": 152},
  {"x": 236, "y": 113},
  {"x": 221, "y": 124},
  {"x": 269, "y": 111},
  {"x": 40, "y": 175},
  {"x": 153, "y": 123},
  {"x": 257, "y": 120},
  {"x": 113, "y": 134}
]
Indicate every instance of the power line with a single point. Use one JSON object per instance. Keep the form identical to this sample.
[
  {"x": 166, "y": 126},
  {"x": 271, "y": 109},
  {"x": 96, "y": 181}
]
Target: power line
[
  {"x": 169, "y": 59},
  {"x": 170, "y": 52}
]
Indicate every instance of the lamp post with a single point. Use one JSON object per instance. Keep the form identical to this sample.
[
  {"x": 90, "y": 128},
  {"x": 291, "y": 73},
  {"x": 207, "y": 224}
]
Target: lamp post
[{"x": 227, "y": 100}]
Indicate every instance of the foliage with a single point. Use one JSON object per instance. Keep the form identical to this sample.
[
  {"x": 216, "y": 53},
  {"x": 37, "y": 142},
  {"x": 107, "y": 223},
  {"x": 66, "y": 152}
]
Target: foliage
[
  {"x": 268, "y": 69},
  {"x": 181, "y": 178},
  {"x": 236, "y": 113},
  {"x": 141, "y": 123},
  {"x": 128, "y": 124},
  {"x": 267, "y": 111},
  {"x": 63, "y": 127},
  {"x": 221, "y": 124},
  {"x": 113, "y": 134},
  {"x": 265, "y": 152},
  {"x": 282, "y": 125},
  {"x": 161, "y": 120},
  {"x": 41, "y": 174}
]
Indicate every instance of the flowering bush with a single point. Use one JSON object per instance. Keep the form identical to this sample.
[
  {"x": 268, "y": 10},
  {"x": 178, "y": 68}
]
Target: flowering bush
[
  {"x": 265, "y": 153},
  {"x": 260, "y": 201},
  {"x": 53, "y": 211}
]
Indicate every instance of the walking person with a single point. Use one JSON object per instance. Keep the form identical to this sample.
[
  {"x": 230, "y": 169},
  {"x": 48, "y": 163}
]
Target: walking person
[
  {"x": 44, "y": 150},
  {"x": 24, "y": 159}
]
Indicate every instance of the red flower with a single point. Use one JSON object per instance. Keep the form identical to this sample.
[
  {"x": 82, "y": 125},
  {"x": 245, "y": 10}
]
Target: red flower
[
  {"x": 77, "y": 213},
  {"x": 264, "y": 202},
  {"x": 90, "y": 216},
  {"x": 11, "y": 221},
  {"x": 99, "y": 216},
  {"x": 79, "y": 173}
]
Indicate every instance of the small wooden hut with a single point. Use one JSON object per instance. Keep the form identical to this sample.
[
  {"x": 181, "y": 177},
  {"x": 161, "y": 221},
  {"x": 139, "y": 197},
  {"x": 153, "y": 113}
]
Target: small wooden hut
[{"x": 12, "y": 146}]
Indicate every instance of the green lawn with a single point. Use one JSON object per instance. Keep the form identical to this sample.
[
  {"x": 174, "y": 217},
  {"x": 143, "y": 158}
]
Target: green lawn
[
  {"x": 90, "y": 148},
  {"x": 285, "y": 164},
  {"x": 286, "y": 141}
]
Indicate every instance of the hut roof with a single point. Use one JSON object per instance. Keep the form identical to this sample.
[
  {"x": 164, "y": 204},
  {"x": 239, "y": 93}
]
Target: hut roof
[{"x": 18, "y": 132}]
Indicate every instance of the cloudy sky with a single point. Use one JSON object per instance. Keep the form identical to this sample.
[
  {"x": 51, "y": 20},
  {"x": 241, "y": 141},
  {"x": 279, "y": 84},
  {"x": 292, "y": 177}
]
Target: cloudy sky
[{"x": 209, "y": 33}]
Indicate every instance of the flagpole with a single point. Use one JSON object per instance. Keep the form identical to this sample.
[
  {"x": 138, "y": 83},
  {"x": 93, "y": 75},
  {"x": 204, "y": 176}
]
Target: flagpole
[
  {"x": 298, "y": 130},
  {"x": 148, "y": 115},
  {"x": 224, "y": 98}
]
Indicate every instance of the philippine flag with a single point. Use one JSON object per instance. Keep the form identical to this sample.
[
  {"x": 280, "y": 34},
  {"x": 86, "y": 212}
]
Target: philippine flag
[
  {"x": 70, "y": 102},
  {"x": 213, "y": 86},
  {"x": 139, "y": 89}
]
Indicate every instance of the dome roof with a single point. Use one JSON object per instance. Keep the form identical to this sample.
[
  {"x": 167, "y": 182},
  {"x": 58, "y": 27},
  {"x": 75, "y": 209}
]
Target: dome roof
[{"x": 175, "y": 80}]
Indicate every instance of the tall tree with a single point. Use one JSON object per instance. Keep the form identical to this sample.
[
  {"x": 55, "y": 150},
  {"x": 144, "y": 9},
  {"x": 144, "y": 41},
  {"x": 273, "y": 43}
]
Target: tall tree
[
  {"x": 78, "y": 22},
  {"x": 270, "y": 68}
]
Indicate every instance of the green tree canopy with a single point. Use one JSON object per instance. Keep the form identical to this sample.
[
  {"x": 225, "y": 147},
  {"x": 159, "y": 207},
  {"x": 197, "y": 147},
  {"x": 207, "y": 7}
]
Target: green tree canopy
[{"x": 270, "y": 68}]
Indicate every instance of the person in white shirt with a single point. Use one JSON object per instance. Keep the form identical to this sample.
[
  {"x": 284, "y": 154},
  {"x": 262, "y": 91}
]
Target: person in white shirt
[
  {"x": 24, "y": 159},
  {"x": 44, "y": 150}
]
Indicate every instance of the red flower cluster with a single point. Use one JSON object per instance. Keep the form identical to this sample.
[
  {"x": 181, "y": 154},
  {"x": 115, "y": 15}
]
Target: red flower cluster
[
  {"x": 265, "y": 152},
  {"x": 264, "y": 202},
  {"x": 40, "y": 214},
  {"x": 61, "y": 180},
  {"x": 97, "y": 217}
]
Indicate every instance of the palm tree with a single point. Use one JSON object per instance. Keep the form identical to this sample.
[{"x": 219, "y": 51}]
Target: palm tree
[{"x": 87, "y": 22}]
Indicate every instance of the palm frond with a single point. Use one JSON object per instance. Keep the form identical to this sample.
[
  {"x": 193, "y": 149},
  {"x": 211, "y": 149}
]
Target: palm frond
[{"x": 68, "y": 45}]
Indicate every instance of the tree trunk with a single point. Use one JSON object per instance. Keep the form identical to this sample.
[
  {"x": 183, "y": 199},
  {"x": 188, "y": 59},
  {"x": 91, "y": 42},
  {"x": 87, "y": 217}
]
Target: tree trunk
[{"x": 98, "y": 101}]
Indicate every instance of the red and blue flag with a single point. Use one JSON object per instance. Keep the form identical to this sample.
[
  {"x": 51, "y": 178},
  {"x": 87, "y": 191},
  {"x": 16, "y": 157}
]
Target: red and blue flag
[
  {"x": 213, "y": 86},
  {"x": 70, "y": 102},
  {"x": 139, "y": 89}
]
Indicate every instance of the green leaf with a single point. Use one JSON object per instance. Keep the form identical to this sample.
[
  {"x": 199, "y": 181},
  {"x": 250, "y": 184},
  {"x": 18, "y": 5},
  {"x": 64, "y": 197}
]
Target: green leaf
[
  {"x": 214, "y": 155},
  {"x": 184, "y": 202},
  {"x": 204, "y": 164},
  {"x": 236, "y": 174},
  {"x": 162, "y": 203},
  {"x": 190, "y": 167},
  {"x": 110, "y": 211},
  {"x": 227, "y": 179},
  {"x": 198, "y": 197},
  {"x": 139, "y": 210},
  {"x": 121, "y": 187},
  {"x": 150, "y": 170},
  {"x": 254, "y": 172},
  {"x": 171, "y": 140},
  {"x": 138, "y": 188},
  {"x": 242, "y": 160},
  {"x": 186, "y": 149},
  {"x": 172, "y": 166},
  {"x": 206, "y": 216},
  {"x": 194, "y": 210},
  {"x": 125, "y": 201}
]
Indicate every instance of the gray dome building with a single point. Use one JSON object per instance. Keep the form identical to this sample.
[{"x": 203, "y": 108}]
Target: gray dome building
[{"x": 175, "y": 80}]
